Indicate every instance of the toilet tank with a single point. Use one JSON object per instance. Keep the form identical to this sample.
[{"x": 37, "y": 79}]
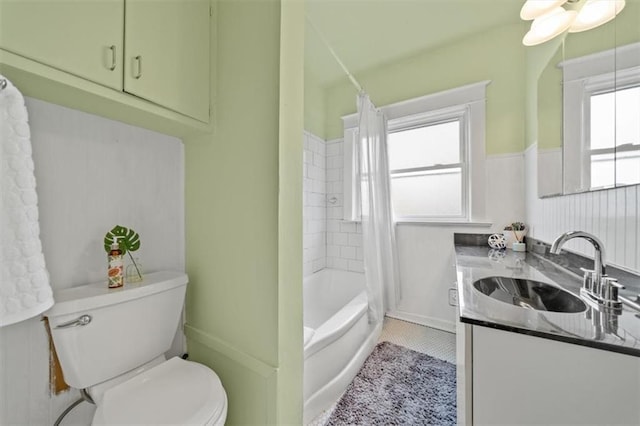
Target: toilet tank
[{"x": 129, "y": 326}]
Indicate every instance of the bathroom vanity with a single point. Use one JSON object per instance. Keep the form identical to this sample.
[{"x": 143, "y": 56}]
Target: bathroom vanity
[{"x": 564, "y": 361}]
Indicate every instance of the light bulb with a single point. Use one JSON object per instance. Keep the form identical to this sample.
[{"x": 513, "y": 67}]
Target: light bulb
[
  {"x": 595, "y": 13},
  {"x": 548, "y": 26},
  {"x": 533, "y": 9}
]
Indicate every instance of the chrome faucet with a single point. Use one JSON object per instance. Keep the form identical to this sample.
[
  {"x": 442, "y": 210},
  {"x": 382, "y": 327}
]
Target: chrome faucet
[
  {"x": 596, "y": 284},
  {"x": 599, "y": 266}
]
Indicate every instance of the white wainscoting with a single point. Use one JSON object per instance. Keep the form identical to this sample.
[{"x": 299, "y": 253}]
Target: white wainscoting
[
  {"x": 612, "y": 215},
  {"x": 92, "y": 174},
  {"x": 550, "y": 182},
  {"x": 425, "y": 251}
]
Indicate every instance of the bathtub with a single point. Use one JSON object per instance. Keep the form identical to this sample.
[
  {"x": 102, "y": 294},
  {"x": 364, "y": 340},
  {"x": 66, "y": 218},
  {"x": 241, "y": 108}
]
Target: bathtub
[{"x": 338, "y": 336}]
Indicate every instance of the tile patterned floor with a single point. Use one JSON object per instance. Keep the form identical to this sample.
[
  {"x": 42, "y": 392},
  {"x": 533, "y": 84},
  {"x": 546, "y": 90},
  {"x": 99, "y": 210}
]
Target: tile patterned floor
[{"x": 433, "y": 342}]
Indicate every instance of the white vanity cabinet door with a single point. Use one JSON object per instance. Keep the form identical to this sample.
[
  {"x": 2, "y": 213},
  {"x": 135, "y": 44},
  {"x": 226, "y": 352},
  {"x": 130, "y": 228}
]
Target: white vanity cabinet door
[{"x": 520, "y": 379}]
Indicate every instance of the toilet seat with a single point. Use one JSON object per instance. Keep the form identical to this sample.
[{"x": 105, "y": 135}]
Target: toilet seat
[{"x": 175, "y": 392}]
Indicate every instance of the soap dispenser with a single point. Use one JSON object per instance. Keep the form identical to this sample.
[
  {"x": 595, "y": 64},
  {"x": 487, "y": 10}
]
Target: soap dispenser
[{"x": 116, "y": 265}]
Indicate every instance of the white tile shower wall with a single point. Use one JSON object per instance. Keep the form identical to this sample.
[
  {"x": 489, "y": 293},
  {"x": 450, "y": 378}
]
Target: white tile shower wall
[
  {"x": 92, "y": 173},
  {"x": 612, "y": 215},
  {"x": 314, "y": 204},
  {"x": 344, "y": 239}
]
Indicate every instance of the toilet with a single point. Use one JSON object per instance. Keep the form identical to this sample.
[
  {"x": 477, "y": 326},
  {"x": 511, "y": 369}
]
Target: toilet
[{"x": 111, "y": 345}]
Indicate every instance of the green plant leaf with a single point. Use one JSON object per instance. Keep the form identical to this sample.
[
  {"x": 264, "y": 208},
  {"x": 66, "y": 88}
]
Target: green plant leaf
[
  {"x": 128, "y": 239},
  {"x": 517, "y": 226}
]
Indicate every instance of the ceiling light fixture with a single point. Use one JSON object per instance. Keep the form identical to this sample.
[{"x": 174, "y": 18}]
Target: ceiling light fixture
[{"x": 553, "y": 17}]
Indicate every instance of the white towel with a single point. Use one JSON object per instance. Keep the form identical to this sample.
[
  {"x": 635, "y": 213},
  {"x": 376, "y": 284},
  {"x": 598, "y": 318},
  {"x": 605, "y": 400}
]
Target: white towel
[{"x": 24, "y": 282}]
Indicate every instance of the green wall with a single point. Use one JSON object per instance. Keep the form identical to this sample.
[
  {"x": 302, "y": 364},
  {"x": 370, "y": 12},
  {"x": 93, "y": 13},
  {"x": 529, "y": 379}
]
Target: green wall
[
  {"x": 497, "y": 55},
  {"x": 243, "y": 213},
  {"x": 623, "y": 30},
  {"x": 314, "y": 105},
  {"x": 537, "y": 60},
  {"x": 546, "y": 98},
  {"x": 290, "y": 338}
]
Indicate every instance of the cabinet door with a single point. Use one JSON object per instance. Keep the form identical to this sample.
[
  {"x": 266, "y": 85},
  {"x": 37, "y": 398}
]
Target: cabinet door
[
  {"x": 525, "y": 380},
  {"x": 81, "y": 37},
  {"x": 167, "y": 54}
]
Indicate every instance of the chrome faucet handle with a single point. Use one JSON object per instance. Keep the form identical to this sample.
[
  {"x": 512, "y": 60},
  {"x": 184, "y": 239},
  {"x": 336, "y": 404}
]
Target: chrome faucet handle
[
  {"x": 588, "y": 279},
  {"x": 609, "y": 289}
]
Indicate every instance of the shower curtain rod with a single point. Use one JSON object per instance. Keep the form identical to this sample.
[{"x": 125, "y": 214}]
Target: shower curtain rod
[{"x": 336, "y": 57}]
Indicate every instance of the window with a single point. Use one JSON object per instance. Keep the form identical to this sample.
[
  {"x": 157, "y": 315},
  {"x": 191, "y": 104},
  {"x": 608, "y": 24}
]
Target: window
[
  {"x": 614, "y": 137},
  {"x": 601, "y": 106},
  {"x": 428, "y": 166},
  {"x": 433, "y": 141}
]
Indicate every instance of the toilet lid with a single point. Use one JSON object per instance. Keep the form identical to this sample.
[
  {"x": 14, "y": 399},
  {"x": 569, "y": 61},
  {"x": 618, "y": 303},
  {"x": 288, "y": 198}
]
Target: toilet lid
[{"x": 175, "y": 392}]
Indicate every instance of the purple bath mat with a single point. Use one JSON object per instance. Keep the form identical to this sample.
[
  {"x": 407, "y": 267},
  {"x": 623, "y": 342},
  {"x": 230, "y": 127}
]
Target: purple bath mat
[{"x": 398, "y": 386}]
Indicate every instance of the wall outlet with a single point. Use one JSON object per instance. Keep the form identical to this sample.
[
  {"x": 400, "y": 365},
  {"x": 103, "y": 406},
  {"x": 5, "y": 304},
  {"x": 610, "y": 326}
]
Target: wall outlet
[{"x": 453, "y": 297}]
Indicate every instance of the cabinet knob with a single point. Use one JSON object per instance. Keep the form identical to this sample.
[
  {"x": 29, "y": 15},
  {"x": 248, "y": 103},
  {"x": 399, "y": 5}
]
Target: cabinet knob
[
  {"x": 138, "y": 60},
  {"x": 113, "y": 57}
]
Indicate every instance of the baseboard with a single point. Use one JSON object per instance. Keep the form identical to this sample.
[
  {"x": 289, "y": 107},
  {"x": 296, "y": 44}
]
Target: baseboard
[
  {"x": 423, "y": 320},
  {"x": 257, "y": 366}
]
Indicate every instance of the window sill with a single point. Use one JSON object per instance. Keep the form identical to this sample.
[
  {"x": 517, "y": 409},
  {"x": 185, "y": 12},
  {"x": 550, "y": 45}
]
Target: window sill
[
  {"x": 425, "y": 222},
  {"x": 443, "y": 223}
]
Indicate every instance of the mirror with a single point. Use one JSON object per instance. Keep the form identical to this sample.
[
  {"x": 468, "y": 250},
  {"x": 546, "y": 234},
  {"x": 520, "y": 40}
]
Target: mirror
[
  {"x": 589, "y": 109},
  {"x": 550, "y": 127}
]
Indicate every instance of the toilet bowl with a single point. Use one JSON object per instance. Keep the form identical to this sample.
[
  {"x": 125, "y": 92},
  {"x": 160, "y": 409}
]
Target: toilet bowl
[
  {"x": 176, "y": 392},
  {"x": 111, "y": 344}
]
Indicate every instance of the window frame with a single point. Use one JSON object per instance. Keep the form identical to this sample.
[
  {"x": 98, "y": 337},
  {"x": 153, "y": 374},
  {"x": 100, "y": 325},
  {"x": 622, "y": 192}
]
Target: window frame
[
  {"x": 584, "y": 77},
  {"x": 473, "y": 97},
  {"x": 599, "y": 85},
  {"x": 431, "y": 118}
]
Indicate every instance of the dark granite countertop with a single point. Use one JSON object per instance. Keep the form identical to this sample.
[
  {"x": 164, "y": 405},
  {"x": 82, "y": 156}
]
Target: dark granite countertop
[{"x": 603, "y": 329}]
